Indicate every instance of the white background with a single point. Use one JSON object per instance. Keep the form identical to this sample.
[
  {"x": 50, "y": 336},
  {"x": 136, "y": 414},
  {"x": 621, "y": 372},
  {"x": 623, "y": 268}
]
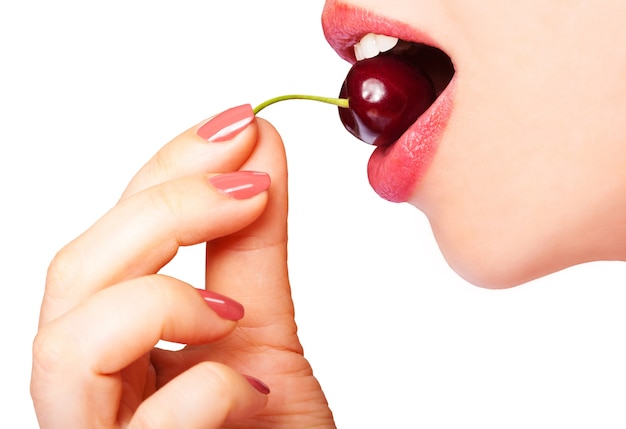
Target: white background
[{"x": 89, "y": 91}]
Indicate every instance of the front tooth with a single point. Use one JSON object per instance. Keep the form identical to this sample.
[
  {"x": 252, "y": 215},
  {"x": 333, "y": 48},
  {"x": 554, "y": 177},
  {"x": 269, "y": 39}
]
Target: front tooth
[
  {"x": 369, "y": 49},
  {"x": 372, "y": 44},
  {"x": 385, "y": 43}
]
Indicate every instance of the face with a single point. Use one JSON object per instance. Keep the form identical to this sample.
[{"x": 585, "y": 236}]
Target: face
[{"x": 520, "y": 164}]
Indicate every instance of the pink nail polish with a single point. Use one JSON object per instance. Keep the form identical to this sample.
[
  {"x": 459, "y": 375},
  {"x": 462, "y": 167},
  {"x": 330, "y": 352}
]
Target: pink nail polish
[
  {"x": 227, "y": 124},
  {"x": 258, "y": 384},
  {"x": 241, "y": 184},
  {"x": 225, "y": 307}
]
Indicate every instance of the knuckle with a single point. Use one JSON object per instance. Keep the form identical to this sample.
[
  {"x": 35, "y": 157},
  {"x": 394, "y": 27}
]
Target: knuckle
[
  {"x": 144, "y": 419},
  {"x": 216, "y": 380},
  {"x": 166, "y": 199},
  {"x": 162, "y": 164},
  {"x": 161, "y": 290},
  {"x": 51, "y": 352},
  {"x": 63, "y": 272}
]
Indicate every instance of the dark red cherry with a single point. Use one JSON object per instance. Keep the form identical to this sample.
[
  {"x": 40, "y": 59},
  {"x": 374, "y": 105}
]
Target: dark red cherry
[{"x": 386, "y": 95}]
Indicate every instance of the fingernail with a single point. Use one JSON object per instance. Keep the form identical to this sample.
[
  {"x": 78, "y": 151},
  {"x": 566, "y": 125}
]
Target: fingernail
[
  {"x": 225, "y": 307},
  {"x": 241, "y": 184},
  {"x": 258, "y": 384},
  {"x": 227, "y": 124}
]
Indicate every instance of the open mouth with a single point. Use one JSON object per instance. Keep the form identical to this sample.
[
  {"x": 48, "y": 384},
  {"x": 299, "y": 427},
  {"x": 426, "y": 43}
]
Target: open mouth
[
  {"x": 391, "y": 84},
  {"x": 356, "y": 34},
  {"x": 433, "y": 61}
]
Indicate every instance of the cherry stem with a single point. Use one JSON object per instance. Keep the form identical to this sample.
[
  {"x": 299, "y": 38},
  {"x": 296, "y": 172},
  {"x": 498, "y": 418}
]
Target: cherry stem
[{"x": 341, "y": 102}]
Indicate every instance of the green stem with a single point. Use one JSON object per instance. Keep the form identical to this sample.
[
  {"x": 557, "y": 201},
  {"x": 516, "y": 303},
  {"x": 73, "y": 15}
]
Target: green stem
[{"x": 341, "y": 102}]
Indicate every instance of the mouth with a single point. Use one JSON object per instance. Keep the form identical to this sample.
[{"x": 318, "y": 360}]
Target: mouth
[
  {"x": 394, "y": 171},
  {"x": 432, "y": 61}
]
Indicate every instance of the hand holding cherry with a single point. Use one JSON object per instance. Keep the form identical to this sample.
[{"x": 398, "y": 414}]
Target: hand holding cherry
[{"x": 379, "y": 99}]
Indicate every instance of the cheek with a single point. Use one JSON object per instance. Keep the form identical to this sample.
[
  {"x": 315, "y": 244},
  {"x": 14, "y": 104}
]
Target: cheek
[
  {"x": 512, "y": 193},
  {"x": 501, "y": 202},
  {"x": 505, "y": 217}
]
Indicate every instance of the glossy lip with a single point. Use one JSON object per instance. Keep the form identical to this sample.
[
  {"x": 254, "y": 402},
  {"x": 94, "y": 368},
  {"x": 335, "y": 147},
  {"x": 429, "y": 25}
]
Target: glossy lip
[{"x": 394, "y": 171}]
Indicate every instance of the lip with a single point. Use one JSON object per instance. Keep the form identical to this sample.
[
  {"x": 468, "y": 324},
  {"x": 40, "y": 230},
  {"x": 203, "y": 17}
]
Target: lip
[{"x": 394, "y": 171}]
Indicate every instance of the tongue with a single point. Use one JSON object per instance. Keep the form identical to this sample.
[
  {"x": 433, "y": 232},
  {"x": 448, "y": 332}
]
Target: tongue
[{"x": 434, "y": 62}]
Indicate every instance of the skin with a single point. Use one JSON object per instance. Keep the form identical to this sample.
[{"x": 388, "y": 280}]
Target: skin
[
  {"x": 79, "y": 379},
  {"x": 528, "y": 179},
  {"x": 529, "y": 176}
]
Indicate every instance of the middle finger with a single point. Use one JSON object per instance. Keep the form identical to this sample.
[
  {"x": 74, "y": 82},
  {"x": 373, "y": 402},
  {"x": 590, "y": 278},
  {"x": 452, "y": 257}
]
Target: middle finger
[{"x": 143, "y": 232}]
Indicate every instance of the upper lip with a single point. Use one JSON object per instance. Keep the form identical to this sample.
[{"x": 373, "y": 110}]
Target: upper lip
[
  {"x": 345, "y": 25},
  {"x": 395, "y": 170}
]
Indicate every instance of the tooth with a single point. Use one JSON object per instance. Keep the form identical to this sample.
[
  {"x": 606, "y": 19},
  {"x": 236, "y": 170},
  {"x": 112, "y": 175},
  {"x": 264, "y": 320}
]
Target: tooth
[
  {"x": 372, "y": 44},
  {"x": 369, "y": 49},
  {"x": 385, "y": 43},
  {"x": 357, "y": 52}
]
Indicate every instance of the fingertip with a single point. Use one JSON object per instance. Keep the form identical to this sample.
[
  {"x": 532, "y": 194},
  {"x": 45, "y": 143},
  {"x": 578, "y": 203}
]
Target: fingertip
[
  {"x": 269, "y": 134},
  {"x": 226, "y": 125},
  {"x": 210, "y": 146},
  {"x": 260, "y": 386},
  {"x": 266, "y": 125},
  {"x": 224, "y": 306},
  {"x": 241, "y": 185}
]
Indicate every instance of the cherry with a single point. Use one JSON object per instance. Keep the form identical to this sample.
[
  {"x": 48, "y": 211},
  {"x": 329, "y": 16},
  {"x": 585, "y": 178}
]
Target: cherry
[
  {"x": 379, "y": 99},
  {"x": 386, "y": 94}
]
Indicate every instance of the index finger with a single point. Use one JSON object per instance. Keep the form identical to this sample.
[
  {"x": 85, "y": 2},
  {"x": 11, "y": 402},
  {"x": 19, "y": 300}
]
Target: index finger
[{"x": 221, "y": 143}]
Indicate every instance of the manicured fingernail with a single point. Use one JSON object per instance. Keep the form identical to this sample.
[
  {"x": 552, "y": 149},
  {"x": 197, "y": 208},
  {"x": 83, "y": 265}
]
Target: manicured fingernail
[
  {"x": 225, "y": 307},
  {"x": 241, "y": 184},
  {"x": 258, "y": 384},
  {"x": 227, "y": 124}
]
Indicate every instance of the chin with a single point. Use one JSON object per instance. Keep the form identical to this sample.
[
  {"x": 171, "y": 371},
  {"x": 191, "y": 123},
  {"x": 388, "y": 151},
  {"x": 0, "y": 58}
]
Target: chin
[
  {"x": 490, "y": 272},
  {"x": 499, "y": 261}
]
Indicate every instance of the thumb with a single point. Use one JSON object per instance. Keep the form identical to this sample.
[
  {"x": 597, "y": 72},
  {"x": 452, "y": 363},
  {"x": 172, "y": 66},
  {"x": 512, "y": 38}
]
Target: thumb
[{"x": 251, "y": 265}]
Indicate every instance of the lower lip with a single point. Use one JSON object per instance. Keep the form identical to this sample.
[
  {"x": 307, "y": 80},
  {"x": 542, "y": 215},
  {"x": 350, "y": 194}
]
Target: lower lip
[{"x": 395, "y": 171}]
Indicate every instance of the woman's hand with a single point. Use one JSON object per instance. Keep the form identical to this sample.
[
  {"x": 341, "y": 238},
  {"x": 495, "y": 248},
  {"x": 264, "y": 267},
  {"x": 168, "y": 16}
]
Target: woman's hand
[{"x": 105, "y": 305}]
